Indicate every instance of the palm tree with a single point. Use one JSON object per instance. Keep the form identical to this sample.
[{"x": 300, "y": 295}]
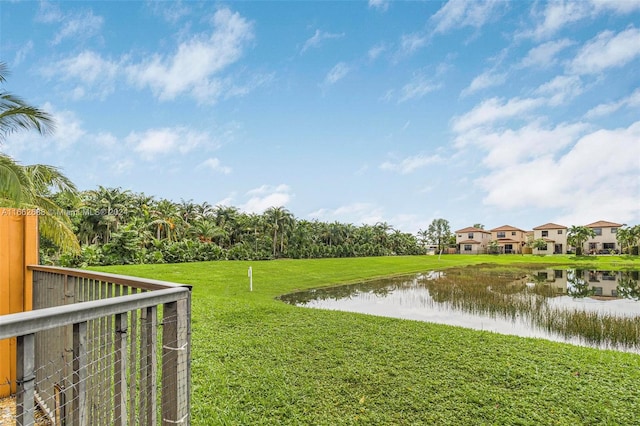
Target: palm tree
[
  {"x": 278, "y": 219},
  {"x": 628, "y": 237},
  {"x": 16, "y": 114},
  {"x": 578, "y": 235},
  {"x": 30, "y": 187}
]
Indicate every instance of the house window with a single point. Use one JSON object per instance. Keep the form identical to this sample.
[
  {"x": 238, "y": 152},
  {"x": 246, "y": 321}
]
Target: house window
[
  {"x": 545, "y": 233},
  {"x": 501, "y": 235},
  {"x": 559, "y": 231},
  {"x": 513, "y": 232},
  {"x": 470, "y": 235},
  {"x": 614, "y": 230},
  {"x": 609, "y": 246},
  {"x": 467, "y": 247},
  {"x": 543, "y": 248},
  {"x": 598, "y": 231},
  {"x": 459, "y": 235},
  {"x": 557, "y": 273}
]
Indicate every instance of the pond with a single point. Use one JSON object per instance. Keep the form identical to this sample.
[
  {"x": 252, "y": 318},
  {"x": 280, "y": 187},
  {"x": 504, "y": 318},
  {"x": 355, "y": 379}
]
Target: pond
[{"x": 586, "y": 307}]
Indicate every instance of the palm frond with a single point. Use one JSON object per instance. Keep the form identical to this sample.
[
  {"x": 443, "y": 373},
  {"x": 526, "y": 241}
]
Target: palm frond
[{"x": 16, "y": 115}]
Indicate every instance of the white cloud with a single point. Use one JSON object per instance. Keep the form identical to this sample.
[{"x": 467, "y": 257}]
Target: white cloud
[
  {"x": 561, "y": 89},
  {"x": 505, "y": 147},
  {"x": 410, "y": 164},
  {"x": 556, "y": 15},
  {"x": 170, "y": 11},
  {"x": 376, "y": 51},
  {"x": 48, "y": 13},
  {"x": 418, "y": 87},
  {"x": 215, "y": 165},
  {"x": 607, "y": 50},
  {"x": 592, "y": 177},
  {"x": 22, "y": 53},
  {"x": 81, "y": 26},
  {"x": 266, "y": 196},
  {"x": 68, "y": 129},
  {"x": 338, "y": 72},
  {"x": 544, "y": 55},
  {"x": 601, "y": 110},
  {"x": 88, "y": 73},
  {"x": 317, "y": 39},
  {"x": 154, "y": 142},
  {"x": 356, "y": 213},
  {"x": 409, "y": 43},
  {"x": 379, "y": 4},
  {"x": 483, "y": 81},
  {"x": 495, "y": 109},
  {"x": 193, "y": 66},
  {"x": 464, "y": 13}
]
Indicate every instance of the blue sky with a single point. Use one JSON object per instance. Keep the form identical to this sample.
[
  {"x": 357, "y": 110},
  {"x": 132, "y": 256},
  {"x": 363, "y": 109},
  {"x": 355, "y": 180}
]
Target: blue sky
[{"x": 491, "y": 112}]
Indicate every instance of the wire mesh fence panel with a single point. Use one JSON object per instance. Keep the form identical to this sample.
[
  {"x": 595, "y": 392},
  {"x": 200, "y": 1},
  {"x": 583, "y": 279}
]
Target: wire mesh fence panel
[{"x": 123, "y": 366}]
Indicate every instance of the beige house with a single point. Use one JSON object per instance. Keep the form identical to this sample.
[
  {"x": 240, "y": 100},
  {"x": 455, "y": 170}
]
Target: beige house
[
  {"x": 605, "y": 239},
  {"x": 509, "y": 238},
  {"x": 555, "y": 236},
  {"x": 472, "y": 240}
]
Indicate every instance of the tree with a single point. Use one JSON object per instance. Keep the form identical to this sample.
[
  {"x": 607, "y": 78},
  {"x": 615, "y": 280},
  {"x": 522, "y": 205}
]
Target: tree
[
  {"x": 539, "y": 244},
  {"x": 439, "y": 233},
  {"x": 578, "y": 235},
  {"x": 30, "y": 186},
  {"x": 478, "y": 225},
  {"x": 16, "y": 114},
  {"x": 278, "y": 219},
  {"x": 629, "y": 238}
]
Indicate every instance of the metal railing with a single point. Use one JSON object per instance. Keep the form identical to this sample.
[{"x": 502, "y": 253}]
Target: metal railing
[{"x": 93, "y": 352}]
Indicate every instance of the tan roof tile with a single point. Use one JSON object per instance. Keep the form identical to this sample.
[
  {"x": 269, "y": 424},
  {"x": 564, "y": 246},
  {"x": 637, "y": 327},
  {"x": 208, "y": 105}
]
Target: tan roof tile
[
  {"x": 472, "y": 229},
  {"x": 549, "y": 226},
  {"x": 507, "y": 228},
  {"x": 603, "y": 224}
]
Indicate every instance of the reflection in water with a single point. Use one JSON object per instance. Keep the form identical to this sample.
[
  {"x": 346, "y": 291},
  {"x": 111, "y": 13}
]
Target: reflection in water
[{"x": 594, "y": 308}]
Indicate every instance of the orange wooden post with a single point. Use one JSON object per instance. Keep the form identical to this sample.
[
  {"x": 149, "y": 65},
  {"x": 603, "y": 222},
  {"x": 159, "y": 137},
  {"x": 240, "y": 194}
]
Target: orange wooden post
[{"x": 18, "y": 248}]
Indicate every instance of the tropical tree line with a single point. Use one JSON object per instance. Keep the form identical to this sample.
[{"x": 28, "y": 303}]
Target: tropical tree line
[{"x": 116, "y": 226}]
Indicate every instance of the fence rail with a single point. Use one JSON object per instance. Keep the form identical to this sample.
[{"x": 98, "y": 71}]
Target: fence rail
[{"x": 93, "y": 351}]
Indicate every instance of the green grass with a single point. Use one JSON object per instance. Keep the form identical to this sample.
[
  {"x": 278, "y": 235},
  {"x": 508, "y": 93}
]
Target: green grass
[{"x": 256, "y": 360}]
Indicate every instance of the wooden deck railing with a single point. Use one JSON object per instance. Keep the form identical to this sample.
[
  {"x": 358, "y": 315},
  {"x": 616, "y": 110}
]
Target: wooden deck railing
[{"x": 92, "y": 351}]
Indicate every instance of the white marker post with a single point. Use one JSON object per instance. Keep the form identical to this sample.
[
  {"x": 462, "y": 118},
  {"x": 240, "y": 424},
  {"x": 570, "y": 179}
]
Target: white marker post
[{"x": 250, "y": 273}]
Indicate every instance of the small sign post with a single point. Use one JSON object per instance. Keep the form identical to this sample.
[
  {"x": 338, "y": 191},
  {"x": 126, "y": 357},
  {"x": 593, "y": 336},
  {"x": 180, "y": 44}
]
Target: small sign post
[{"x": 250, "y": 273}]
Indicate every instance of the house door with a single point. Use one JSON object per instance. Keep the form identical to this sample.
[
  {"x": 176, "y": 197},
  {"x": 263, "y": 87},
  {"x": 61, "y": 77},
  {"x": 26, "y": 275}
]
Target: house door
[
  {"x": 508, "y": 248},
  {"x": 557, "y": 249}
]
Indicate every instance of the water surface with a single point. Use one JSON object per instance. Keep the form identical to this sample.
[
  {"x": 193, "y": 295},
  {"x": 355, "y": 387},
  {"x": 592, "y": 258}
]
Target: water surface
[{"x": 586, "y": 307}]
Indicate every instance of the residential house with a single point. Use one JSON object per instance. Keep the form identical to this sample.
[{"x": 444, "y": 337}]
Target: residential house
[
  {"x": 509, "y": 238},
  {"x": 472, "y": 240},
  {"x": 605, "y": 240},
  {"x": 555, "y": 236}
]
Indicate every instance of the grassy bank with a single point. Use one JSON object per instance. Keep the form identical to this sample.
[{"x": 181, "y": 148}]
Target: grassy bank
[{"x": 259, "y": 361}]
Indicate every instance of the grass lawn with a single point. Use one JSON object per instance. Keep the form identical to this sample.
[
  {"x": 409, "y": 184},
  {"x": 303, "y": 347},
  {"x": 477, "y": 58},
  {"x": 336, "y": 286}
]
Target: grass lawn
[{"x": 256, "y": 360}]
